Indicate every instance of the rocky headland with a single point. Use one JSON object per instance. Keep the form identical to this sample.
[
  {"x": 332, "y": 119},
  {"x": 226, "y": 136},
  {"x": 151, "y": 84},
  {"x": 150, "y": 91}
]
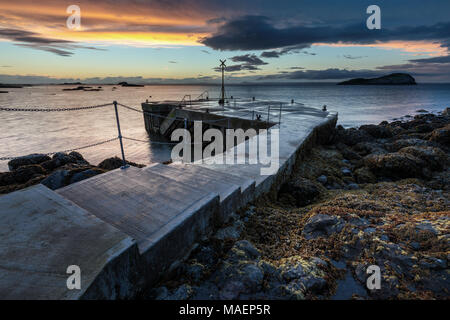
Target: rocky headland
[{"x": 375, "y": 195}]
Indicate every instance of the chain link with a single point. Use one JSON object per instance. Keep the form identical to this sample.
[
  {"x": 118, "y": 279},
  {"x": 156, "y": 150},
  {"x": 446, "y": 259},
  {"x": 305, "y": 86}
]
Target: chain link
[
  {"x": 54, "y": 109},
  {"x": 65, "y": 151}
]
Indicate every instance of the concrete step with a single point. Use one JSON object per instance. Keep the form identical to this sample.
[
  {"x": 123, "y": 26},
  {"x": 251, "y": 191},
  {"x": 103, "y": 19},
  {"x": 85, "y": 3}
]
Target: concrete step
[
  {"x": 141, "y": 208},
  {"x": 229, "y": 193},
  {"x": 246, "y": 184},
  {"x": 42, "y": 234}
]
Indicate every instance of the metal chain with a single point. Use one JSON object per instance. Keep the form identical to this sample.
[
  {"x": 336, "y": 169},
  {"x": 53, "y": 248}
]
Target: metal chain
[
  {"x": 54, "y": 109},
  {"x": 65, "y": 151}
]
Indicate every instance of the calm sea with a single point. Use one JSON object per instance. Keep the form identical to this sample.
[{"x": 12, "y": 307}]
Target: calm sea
[{"x": 30, "y": 132}]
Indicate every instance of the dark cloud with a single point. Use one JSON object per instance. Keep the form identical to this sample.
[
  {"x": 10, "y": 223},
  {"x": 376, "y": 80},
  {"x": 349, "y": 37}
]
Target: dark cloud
[
  {"x": 249, "y": 59},
  {"x": 33, "y": 40},
  {"x": 173, "y": 62},
  {"x": 206, "y": 51},
  {"x": 261, "y": 33},
  {"x": 443, "y": 59}
]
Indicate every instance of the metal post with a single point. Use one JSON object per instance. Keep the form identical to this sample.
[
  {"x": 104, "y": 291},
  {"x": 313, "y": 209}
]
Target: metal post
[
  {"x": 120, "y": 136},
  {"x": 279, "y": 118},
  {"x": 253, "y": 114},
  {"x": 185, "y": 123},
  {"x": 268, "y": 114}
]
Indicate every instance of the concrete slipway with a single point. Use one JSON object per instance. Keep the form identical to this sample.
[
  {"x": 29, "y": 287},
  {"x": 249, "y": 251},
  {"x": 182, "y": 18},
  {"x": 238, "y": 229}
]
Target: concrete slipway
[{"x": 125, "y": 228}]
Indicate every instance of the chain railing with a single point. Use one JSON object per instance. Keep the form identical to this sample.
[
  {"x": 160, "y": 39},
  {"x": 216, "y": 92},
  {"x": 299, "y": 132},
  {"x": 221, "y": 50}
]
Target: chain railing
[{"x": 119, "y": 137}]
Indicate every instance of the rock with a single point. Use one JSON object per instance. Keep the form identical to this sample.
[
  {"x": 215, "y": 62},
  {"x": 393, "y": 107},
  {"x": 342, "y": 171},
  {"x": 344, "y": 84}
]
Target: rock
[
  {"x": 320, "y": 225},
  {"x": 378, "y": 132},
  {"x": 426, "y": 226},
  {"x": 6, "y": 178},
  {"x": 365, "y": 148},
  {"x": 402, "y": 143},
  {"x": 195, "y": 271},
  {"x": 435, "y": 158},
  {"x": 85, "y": 174},
  {"x": 231, "y": 232},
  {"x": 252, "y": 277},
  {"x": 352, "y": 136},
  {"x": 26, "y": 172},
  {"x": 322, "y": 179},
  {"x": 115, "y": 163},
  {"x": 184, "y": 292},
  {"x": 422, "y": 111},
  {"x": 395, "y": 165},
  {"x": 369, "y": 230},
  {"x": 352, "y": 186},
  {"x": 27, "y": 160},
  {"x": 250, "y": 251},
  {"x": 346, "y": 171},
  {"x": 302, "y": 190},
  {"x": 364, "y": 175},
  {"x": 424, "y": 128},
  {"x": 56, "y": 180},
  {"x": 232, "y": 290},
  {"x": 441, "y": 135}
]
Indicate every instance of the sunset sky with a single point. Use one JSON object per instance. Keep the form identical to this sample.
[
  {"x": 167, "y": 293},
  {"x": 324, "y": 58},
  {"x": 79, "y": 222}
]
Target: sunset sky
[{"x": 182, "y": 41}]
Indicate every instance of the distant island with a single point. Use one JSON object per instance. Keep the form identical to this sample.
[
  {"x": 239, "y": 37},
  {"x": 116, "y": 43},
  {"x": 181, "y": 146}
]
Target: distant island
[
  {"x": 392, "y": 79},
  {"x": 126, "y": 84}
]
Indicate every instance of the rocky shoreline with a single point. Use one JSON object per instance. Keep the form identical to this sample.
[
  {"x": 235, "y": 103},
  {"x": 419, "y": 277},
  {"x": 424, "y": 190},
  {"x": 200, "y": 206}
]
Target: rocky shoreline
[
  {"x": 376, "y": 195},
  {"x": 54, "y": 172}
]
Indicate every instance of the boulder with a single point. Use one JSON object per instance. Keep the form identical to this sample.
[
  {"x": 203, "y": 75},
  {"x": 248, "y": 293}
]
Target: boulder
[
  {"x": 395, "y": 165},
  {"x": 302, "y": 190},
  {"x": 56, "y": 180},
  {"x": 441, "y": 135},
  {"x": 378, "y": 132},
  {"x": 364, "y": 175},
  {"x": 26, "y": 172},
  {"x": 435, "y": 158},
  {"x": 402, "y": 143},
  {"x": 85, "y": 174},
  {"x": 321, "y": 225},
  {"x": 352, "y": 136},
  {"x": 27, "y": 160}
]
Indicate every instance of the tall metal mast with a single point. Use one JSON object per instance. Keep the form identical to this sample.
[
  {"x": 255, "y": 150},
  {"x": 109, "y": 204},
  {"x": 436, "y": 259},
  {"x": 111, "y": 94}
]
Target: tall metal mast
[{"x": 222, "y": 93}]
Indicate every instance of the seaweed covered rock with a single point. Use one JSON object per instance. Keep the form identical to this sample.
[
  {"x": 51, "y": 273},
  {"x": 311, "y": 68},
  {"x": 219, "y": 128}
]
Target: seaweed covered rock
[
  {"x": 435, "y": 158},
  {"x": 300, "y": 191},
  {"x": 378, "y": 132},
  {"x": 395, "y": 165},
  {"x": 441, "y": 135},
  {"x": 321, "y": 225},
  {"x": 115, "y": 163},
  {"x": 34, "y": 158},
  {"x": 352, "y": 136}
]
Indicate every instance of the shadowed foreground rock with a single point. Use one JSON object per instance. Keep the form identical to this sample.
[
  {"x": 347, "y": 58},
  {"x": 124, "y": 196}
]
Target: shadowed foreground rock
[{"x": 54, "y": 172}]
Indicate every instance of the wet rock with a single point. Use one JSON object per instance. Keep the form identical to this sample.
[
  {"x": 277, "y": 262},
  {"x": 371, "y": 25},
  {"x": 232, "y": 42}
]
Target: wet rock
[
  {"x": 402, "y": 143},
  {"x": 365, "y": 148},
  {"x": 27, "y": 160},
  {"x": 232, "y": 290},
  {"x": 26, "y": 172},
  {"x": 441, "y": 135},
  {"x": 352, "y": 186},
  {"x": 346, "y": 171},
  {"x": 56, "y": 180},
  {"x": 379, "y": 132},
  {"x": 321, "y": 225},
  {"x": 352, "y": 136},
  {"x": 184, "y": 292},
  {"x": 435, "y": 158},
  {"x": 195, "y": 271},
  {"x": 322, "y": 179},
  {"x": 395, "y": 165},
  {"x": 115, "y": 163},
  {"x": 364, "y": 175},
  {"x": 302, "y": 191},
  {"x": 250, "y": 251},
  {"x": 85, "y": 174},
  {"x": 6, "y": 178}
]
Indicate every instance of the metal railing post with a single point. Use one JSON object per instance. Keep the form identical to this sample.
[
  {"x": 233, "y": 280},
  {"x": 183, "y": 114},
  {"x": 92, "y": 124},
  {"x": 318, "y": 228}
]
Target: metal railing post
[
  {"x": 253, "y": 114},
  {"x": 279, "y": 118},
  {"x": 120, "y": 136},
  {"x": 268, "y": 114}
]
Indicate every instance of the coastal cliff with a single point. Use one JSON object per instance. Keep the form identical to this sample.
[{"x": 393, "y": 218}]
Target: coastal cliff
[{"x": 392, "y": 79}]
